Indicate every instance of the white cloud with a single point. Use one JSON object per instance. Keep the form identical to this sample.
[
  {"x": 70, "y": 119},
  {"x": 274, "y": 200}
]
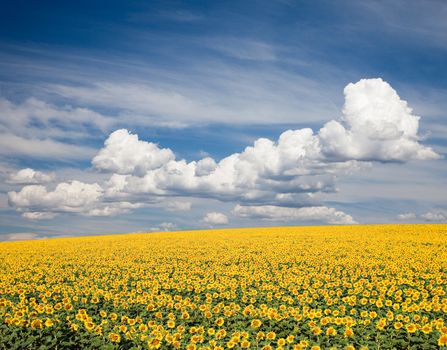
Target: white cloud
[
  {"x": 376, "y": 125},
  {"x": 13, "y": 145},
  {"x": 406, "y": 216},
  {"x": 438, "y": 215},
  {"x": 264, "y": 171},
  {"x": 112, "y": 209},
  {"x": 35, "y": 215},
  {"x": 76, "y": 196},
  {"x": 164, "y": 226},
  {"x": 35, "y": 128},
  {"x": 19, "y": 236},
  {"x": 270, "y": 212},
  {"x": 215, "y": 218},
  {"x": 34, "y": 116},
  {"x": 179, "y": 100},
  {"x": 30, "y": 176},
  {"x": 294, "y": 171},
  {"x": 243, "y": 49},
  {"x": 125, "y": 154},
  {"x": 67, "y": 197},
  {"x": 177, "y": 205}
]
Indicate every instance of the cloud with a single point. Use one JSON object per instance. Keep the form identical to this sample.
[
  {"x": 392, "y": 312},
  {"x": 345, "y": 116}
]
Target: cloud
[
  {"x": 439, "y": 215},
  {"x": 194, "y": 97},
  {"x": 379, "y": 128},
  {"x": 12, "y": 145},
  {"x": 286, "y": 178},
  {"x": 67, "y": 197},
  {"x": 34, "y": 215},
  {"x": 215, "y": 218},
  {"x": 376, "y": 125},
  {"x": 124, "y": 153},
  {"x": 75, "y": 197},
  {"x": 37, "y": 129},
  {"x": 275, "y": 213},
  {"x": 243, "y": 49},
  {"x": 112, "y": 209},
  {"x": 29, "y": 176},
  {"x": 177, "y": 205},
  {"x": 406, "y": 216},
  {"x": 164, "y": 226},
  {"x": 19, "y": 236}
]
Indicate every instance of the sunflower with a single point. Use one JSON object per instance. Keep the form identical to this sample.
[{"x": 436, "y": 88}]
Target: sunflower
[
  {"x": 256, "y": 323},
  {"x": 89, "y": 325},
  {"x": 411, "y": 328},
  {"x": 114, "y": 337},
  {"x": 442, "y": 341},
  {"x": 220, "y": 321},
  {"x": 37, "y": 324}
]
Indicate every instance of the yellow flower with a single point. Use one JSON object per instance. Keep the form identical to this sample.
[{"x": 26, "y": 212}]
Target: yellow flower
[
  {"x": 155, "y": 343},
  {"x": 331, "y": 331},
  {"x": 220, "y": 321},
  {"x": 37, "y": 324},
  {"x": 114, "y": 338},
  {"x": 281, "y": 342},
  {"x": 256, "y": 323},
  {"x": 426, "y": 329},
  {"x": 49, "y": 323},
  {"x": 348, "y": 332},
  {"x": 245, "y": 344},
  {"x": 442, "y": 341},
  {"x": 89, "y": 325},
  {"x": 316, "y": 330},
  {"x": 411, "y": 328},
  {"x": 290, "y": 339},
  {"x": 398, "y": 325}
]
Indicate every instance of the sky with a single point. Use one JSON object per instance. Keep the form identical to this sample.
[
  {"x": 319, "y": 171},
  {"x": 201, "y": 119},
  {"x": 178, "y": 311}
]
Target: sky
[{"x": 138, "y": 116}]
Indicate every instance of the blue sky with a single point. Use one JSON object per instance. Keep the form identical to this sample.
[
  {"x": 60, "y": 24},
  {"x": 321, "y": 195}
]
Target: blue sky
[{"x": 206, "y": 80}]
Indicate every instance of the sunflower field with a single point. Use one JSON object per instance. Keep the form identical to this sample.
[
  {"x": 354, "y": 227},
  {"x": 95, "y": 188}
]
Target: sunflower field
[{"x": 340, "y": 287}]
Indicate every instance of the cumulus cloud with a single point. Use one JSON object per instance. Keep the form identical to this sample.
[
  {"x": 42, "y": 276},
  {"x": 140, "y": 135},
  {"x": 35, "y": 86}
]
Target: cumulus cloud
[
  {"x": 283, "y": 179},
  {"x": 215, "y": 218},
  {"x": 35, "y": 215},
  {"x": 376, "y": 125},
  {"x": 71, "y": 197},
  {"x": 74, "y": 196},
  {"x": 438, "y": 215},
  {"x": 124, "y": 153},
  {"x": 67, "y": 197},
  {"x": 177, "y": 205},
  {"x": 275, "y": 213},
  {"x": 29, "y": 176},
  {"x": 19, "y": 236},
  {"x": 164, "y": 226},
  {"x": 406, "y": 216}
]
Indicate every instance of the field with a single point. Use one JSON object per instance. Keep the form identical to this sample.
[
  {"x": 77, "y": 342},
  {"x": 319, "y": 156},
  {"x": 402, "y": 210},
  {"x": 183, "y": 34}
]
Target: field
[{"x": 343, "y": 287}]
